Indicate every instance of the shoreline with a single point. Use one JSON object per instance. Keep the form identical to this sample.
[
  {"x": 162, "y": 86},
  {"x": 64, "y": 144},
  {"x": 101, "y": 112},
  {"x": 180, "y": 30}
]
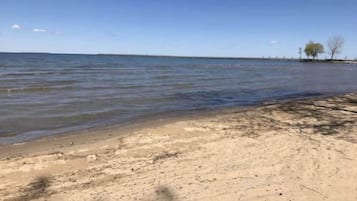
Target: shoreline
[
  {"x": 329, "y": 61},
  {"x": 341, "y": 61},
  {"x": 130, "y": 126},
  {"x": 300, "y": 149},
  {"x": 168, "y": 115}
]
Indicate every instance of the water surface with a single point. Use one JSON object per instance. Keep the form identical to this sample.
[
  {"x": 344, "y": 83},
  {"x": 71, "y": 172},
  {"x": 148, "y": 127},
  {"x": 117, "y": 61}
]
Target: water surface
[{"x": 48, "y": 94}]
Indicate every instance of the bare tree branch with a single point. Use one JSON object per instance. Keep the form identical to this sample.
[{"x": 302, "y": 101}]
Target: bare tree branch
[{"x": 335, "y": 45}]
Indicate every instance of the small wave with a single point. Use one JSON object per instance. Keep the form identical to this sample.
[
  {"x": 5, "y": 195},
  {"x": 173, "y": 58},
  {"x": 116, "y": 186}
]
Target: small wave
[
  {"x": 25, "y": 73},
  {"x": 32, "y": 89},
  {"x": 163, "y": 77},
  {"x": 7, "y": 133}
]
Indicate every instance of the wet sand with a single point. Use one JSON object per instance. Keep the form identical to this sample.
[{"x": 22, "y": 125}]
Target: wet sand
[{"x": 296, "y": 150}]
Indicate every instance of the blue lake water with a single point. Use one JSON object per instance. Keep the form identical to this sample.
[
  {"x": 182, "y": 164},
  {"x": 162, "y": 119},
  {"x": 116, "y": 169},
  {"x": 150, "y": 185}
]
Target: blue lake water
[{"x": 48, "y": 94}]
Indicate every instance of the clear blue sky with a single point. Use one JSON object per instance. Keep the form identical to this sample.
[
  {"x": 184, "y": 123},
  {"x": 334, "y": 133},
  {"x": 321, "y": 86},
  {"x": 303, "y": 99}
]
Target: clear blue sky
[{"x": 176, "y": 27}]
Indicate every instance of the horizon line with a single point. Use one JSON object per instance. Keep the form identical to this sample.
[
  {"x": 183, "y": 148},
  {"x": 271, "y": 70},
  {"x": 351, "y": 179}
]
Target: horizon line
[{"x": 157, "y": 55}]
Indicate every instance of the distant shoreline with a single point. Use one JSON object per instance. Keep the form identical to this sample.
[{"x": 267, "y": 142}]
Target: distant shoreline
[
  {"x": 168, "y": 56},
  {"x": 342, "y": 61},
  {"x": 150, "y": 55},
  {"x": 336, "y": 61}
]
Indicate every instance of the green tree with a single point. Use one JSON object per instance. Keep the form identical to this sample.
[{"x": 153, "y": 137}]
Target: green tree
[{"x": 313, "y": 49}]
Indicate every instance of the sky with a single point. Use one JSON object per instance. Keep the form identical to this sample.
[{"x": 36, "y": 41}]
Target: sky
[{"x": 222, "y": 28}]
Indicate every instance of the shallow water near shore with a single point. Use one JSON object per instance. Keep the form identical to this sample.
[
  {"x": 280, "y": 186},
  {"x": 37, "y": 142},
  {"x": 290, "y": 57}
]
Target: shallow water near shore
[{"x": 48, "y": 94}]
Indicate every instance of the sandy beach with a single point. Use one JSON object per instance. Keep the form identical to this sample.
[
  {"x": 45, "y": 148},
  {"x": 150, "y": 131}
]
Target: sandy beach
[{"x": 294, "y": 150}]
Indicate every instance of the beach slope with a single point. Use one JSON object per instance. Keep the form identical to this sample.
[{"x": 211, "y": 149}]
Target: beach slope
[{"x": 296, "y": 150}]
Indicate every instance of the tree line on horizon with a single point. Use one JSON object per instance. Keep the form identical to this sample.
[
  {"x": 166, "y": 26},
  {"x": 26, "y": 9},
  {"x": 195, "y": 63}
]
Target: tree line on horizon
[{"x": 334, "y": 45}]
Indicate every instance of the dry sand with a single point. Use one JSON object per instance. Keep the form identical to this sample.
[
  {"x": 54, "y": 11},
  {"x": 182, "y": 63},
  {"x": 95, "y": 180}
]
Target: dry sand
[{"x": 298, "y": 150}]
